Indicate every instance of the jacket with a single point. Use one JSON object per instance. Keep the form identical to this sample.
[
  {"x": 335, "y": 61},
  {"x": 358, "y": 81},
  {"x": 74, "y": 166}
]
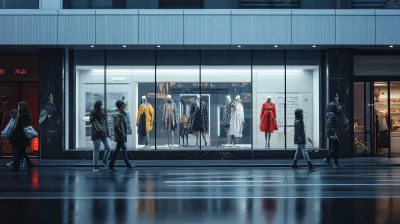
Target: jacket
[
  {"x": 99, "y": 124},
  {"x": 299, "y": 130},
  {"x": 332, "y": 123},
  {"x": 120, "y": 126},
  {"x": 149, "y": 112},
  {"x": 18, "y": 137}
]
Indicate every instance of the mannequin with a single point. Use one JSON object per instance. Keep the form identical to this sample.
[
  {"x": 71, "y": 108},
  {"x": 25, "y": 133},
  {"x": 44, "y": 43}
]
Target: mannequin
[
  {"x": 199, "y": 120},
  {"x": 169, "y": 118},
  {"x": 268, "y": 122},
  {"x": 237, "y": 121},
  {"x": 144, "y": 120},
  {"x": 226, "y": 118}
]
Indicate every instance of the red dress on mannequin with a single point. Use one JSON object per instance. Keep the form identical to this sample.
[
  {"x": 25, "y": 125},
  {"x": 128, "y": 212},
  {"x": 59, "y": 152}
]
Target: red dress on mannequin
[{"x": 268, "y": 114}]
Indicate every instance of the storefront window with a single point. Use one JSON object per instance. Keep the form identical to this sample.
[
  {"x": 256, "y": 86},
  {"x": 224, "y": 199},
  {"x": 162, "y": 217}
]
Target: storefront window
[
  {"x": 178, "y": 78},
  {"x": 268, "y": 99},
  {"x": 302, "y": 92},
  {"x": 226, "y": 92}
]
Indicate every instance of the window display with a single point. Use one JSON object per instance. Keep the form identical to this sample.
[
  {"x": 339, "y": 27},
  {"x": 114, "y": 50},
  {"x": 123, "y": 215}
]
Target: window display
[{"x": 191, "y": 100}]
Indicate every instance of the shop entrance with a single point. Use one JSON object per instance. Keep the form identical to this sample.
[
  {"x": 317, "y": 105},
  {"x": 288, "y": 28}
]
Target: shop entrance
[{"x": 377, "y": 118}]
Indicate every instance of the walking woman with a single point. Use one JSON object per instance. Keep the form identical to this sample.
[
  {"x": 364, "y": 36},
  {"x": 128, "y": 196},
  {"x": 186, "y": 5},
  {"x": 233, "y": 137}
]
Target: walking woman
[
  {"x": 100, "y": 134},
  {"x": 19, "y": 140},
  {"x": 120, "y": 131}
]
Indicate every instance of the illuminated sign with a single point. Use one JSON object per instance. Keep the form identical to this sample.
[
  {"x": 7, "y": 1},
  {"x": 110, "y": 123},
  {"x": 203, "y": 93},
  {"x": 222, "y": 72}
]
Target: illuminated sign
[
  {"x": 1, "y": 71},
  {"x": 19, "y": 71}
]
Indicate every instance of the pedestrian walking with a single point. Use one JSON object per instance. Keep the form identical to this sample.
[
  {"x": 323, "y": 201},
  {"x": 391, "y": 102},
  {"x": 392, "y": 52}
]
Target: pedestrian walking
[
  {"x": 120, "y": 135},
  {"x": 300, "y": 140},
  {"x": 6, "y": 133},
  {"x": 100, "y": 134},
  {"x": 19, "y": 140},
  {"x": 332, "y": 133}
]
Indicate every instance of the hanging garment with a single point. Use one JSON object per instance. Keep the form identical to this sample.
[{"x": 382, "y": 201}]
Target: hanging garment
[
  {"x": 184, "y": 125},
  {"x": 198, "y": 118},
  {"x": 237, "y": 121},
  {"x": 226, "y": 116},
  {"x": 268, "y": 114},
  {"x": 383, "y": 139},
  {"x": 382, "y": 123},
  {"x": 148, "y": 112},
  {"x": 170, "y": 115}
]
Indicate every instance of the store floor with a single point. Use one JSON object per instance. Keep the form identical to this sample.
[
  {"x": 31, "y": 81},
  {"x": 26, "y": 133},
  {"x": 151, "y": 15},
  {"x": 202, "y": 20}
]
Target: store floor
[{"x": 201, "y": 195}]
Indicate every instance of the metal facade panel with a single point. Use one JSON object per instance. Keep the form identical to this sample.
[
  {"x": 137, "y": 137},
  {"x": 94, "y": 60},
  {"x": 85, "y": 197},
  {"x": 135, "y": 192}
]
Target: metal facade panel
[
  {"x": 355, "y": 30},
  {"x": 161, "y": 29},
  {"x": 28, "y": 29},
  {"x": 387, "y": 30},
  {"x": 209, "y": 29},
  {"x": 313, "y": 29},
  {"x": 261, "y": 29},
  {"x": 76, "y": 29},
  {"x": 117, "y": 29}
]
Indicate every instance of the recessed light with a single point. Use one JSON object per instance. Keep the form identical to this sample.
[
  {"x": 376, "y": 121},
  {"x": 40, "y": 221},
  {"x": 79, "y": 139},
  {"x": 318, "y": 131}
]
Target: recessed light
[
  {"x": 123, "y": 45},
  {"x": 314, "y": 46},
  {"x": 239, "y": 46},
  {"x": 276, "y": 46},
  {"x": 158, "y": 46},
  {"x": 391, "y": 46},
  {"x": 91, "y": 46}
]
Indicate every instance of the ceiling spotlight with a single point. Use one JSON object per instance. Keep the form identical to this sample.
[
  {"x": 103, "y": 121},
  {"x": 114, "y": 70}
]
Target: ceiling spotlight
[
  {"x": 158, "y": 46},
  {"x": 276, "y": 46},
  {"x": 391, "y": 46},
  {"x": 239, "y": 46},
  {"x": 123, "y": 45},
  {"x": 314, "y": 46},
  {"x": 91, "y": 45}
]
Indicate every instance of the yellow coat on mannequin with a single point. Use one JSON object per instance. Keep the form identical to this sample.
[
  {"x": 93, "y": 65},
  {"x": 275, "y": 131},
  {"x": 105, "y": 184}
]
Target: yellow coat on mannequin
[{"x": 149, "y": 111}]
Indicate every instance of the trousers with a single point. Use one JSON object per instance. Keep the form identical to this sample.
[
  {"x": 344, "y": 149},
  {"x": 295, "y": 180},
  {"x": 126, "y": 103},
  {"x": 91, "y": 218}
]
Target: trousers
[
  {"x": 304, "y": 151},
  {"x": 96, "y": 150},
  {"x": 333, "y": 150},
  {"x": 121, "y": 145},
  {"x": 20, "y": 153}
]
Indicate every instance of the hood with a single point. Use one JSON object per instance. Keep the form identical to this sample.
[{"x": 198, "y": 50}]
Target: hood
[
  {"x": 332, "y": 107},
  {"x": 298, "y": 114}
]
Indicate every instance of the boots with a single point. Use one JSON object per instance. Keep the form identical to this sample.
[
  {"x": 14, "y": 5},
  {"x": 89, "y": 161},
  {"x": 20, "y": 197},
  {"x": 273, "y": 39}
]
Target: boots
[
  {"x": 294, "y": 166},
  {"x": 310, "y": 166}
]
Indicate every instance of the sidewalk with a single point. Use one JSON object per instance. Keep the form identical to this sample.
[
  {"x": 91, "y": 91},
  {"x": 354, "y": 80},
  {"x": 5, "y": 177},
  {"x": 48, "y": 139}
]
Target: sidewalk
[{"x": 353, "y": 162}]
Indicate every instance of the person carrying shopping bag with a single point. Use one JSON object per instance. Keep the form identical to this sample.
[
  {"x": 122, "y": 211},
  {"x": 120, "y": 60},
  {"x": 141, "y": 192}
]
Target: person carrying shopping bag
[
  {"x": 6, "y": 133},
  {"x": 19, "y": 138},
  {"x": 100, "y": 134}
]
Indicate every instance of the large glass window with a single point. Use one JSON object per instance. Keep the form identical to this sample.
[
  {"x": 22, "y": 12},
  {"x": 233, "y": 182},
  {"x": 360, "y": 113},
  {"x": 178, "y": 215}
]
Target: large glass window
[
  {"x": 189, "y": 100},
  {"x": 268, "y": 99},
  {"x": 226, "y": 92},
  {"x": 19, "y": 4},
  {"x": 302, "y": 92},
  {"x": 177, "y": 89}
]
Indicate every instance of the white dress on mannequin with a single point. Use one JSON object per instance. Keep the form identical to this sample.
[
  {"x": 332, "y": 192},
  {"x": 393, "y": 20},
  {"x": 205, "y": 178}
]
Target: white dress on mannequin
[{"x": 237, "y": 119}]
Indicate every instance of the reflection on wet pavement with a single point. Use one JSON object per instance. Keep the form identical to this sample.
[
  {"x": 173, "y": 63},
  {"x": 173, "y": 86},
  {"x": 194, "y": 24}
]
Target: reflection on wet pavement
[{"x": 199, "y": 195}]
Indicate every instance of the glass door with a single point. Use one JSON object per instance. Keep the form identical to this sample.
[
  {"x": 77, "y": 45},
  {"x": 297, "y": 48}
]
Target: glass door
[
  {"x": 394, "y": 121},
  {"x": 380, "y": 119}
]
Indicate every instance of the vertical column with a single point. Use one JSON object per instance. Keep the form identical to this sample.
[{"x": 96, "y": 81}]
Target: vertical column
[
  {"x": 339, "y": 67},
  {"x": 50, "y": 4},
  {"x": 51, "y": 66}
]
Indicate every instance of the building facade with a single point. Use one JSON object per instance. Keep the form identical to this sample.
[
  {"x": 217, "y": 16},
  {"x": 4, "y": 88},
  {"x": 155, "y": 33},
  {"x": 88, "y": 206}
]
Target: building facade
[{"x": 268, "y": 61}]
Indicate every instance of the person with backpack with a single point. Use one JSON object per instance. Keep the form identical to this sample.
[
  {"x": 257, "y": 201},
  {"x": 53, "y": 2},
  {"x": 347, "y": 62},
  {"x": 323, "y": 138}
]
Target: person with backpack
[
  {"x": 300, "y": 140},
  {"x": 100, "y": 134},
  {"x": 6, "y": 133}
]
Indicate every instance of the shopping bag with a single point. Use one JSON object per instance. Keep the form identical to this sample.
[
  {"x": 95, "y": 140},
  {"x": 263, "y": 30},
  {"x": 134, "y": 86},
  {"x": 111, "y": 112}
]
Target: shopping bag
[{"x": 30, "y": 132}]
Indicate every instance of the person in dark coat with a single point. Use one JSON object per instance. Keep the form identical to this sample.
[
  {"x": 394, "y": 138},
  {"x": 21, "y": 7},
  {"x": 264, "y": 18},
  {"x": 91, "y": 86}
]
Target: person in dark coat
[
  {"x": 100, "y": 134},
  {"x": 300, "y": 140},
  {"x": 332, "y": 133},
  {"x": 19, "y": 141},
  {"x": 120, "y": 135}
]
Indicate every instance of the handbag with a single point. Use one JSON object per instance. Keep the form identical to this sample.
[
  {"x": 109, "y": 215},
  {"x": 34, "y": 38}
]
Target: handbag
[
  {"x": 30, "y": 132},
  {"x": 7, "y": 132}
]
